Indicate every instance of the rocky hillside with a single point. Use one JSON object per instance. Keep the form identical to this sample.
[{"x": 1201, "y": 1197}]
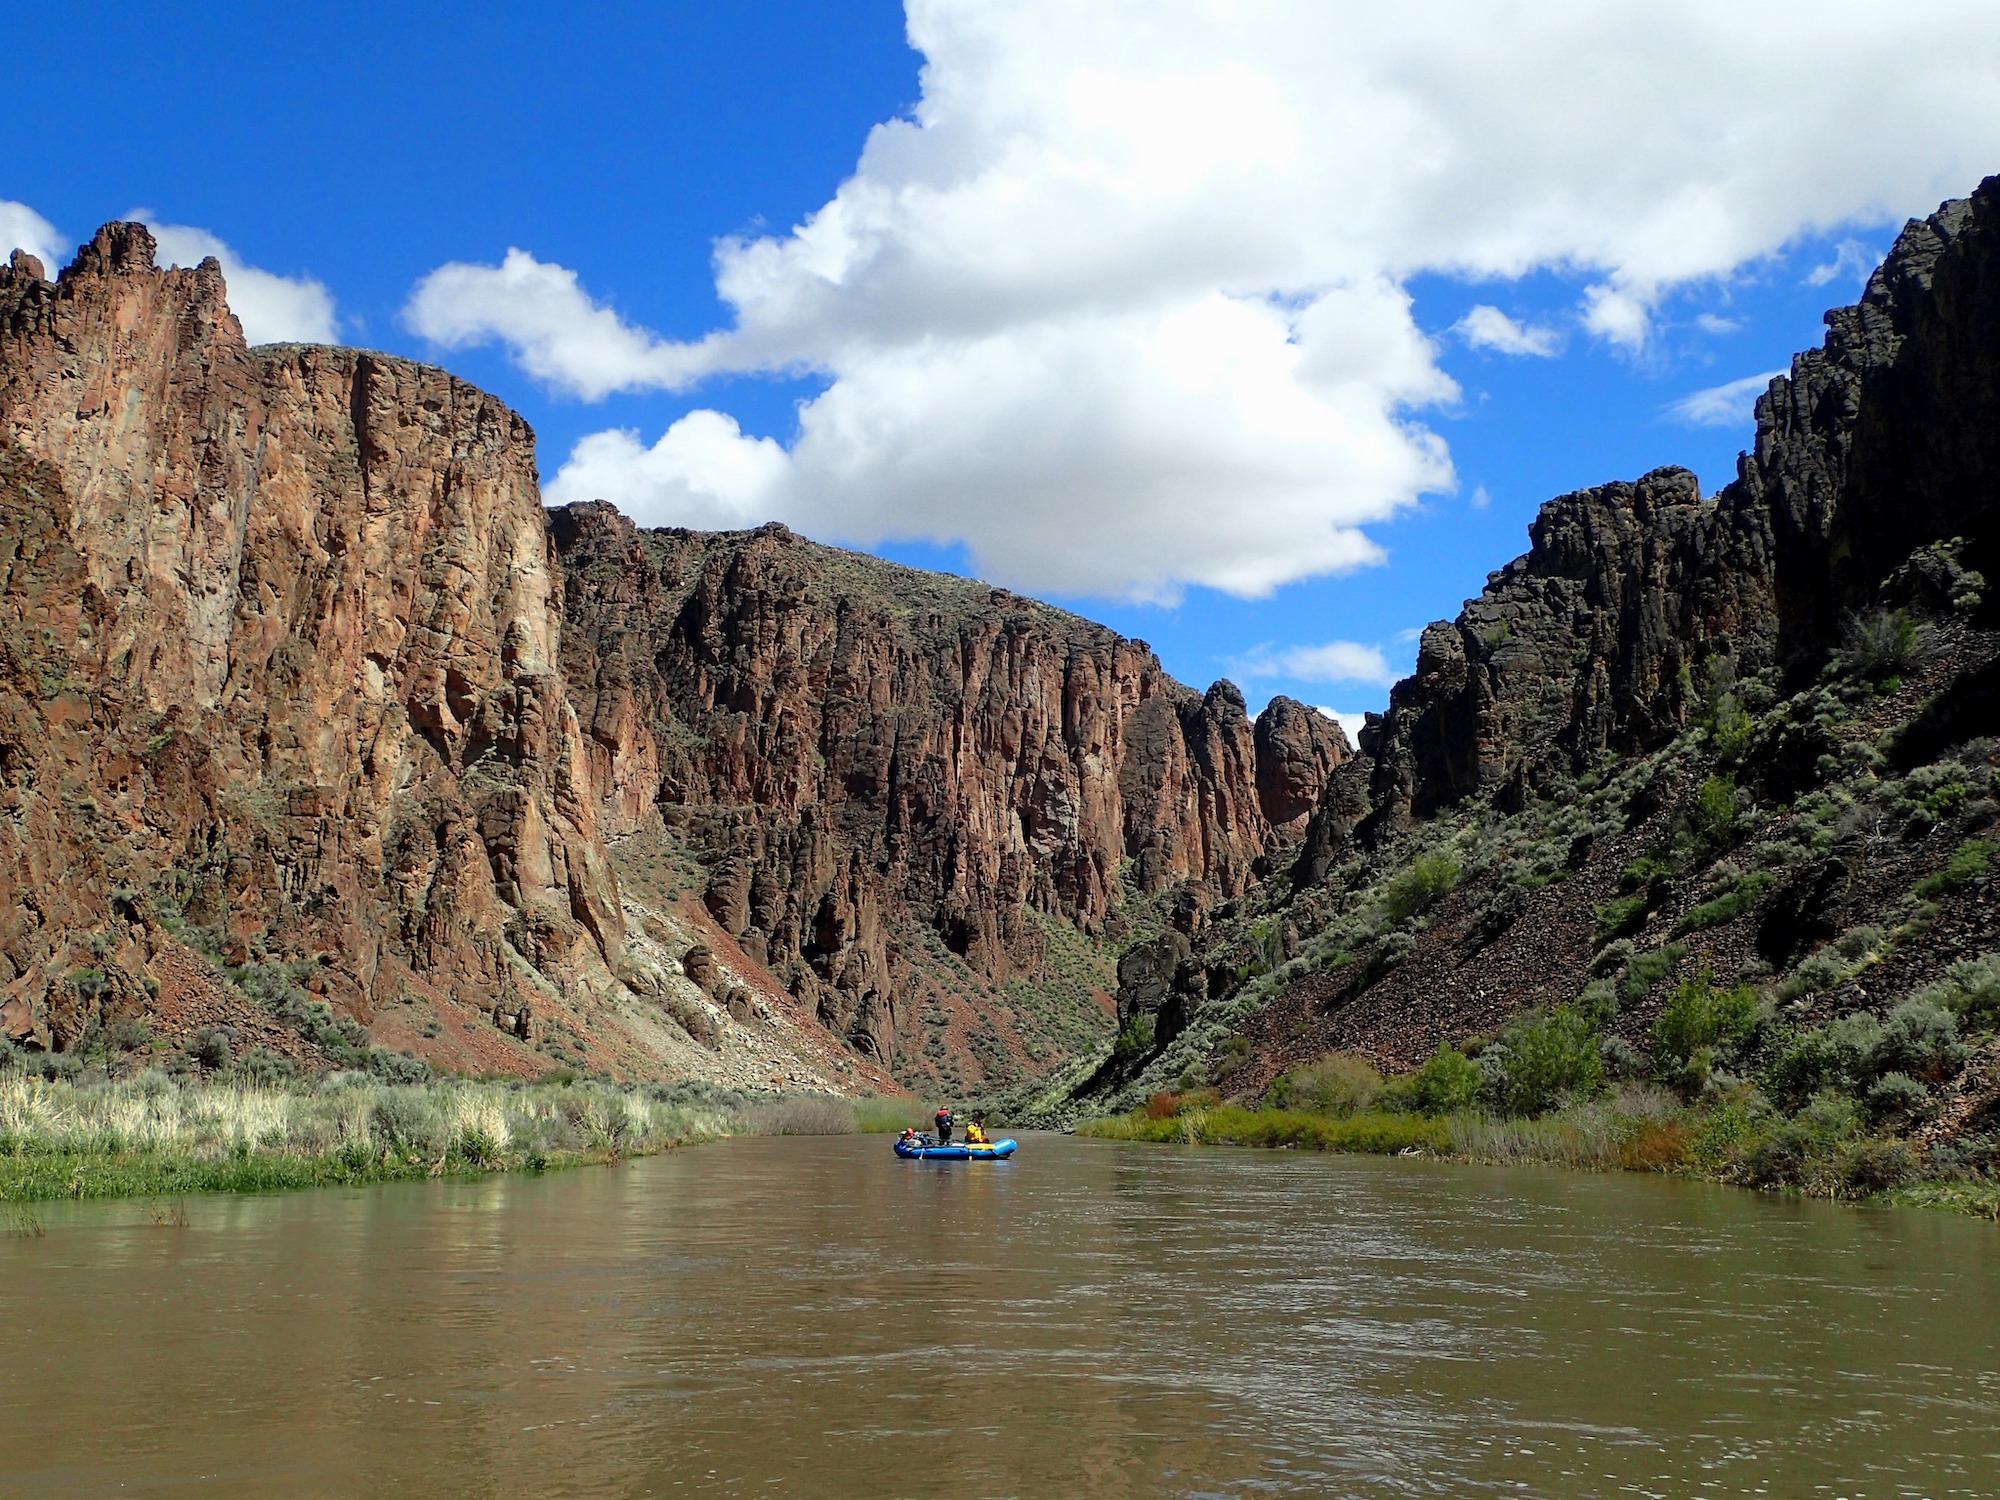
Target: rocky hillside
[
  {"x": 906, "y": 792},
  {"x": 1736, "y": 745},
  {"x": 319, "y": 742}
]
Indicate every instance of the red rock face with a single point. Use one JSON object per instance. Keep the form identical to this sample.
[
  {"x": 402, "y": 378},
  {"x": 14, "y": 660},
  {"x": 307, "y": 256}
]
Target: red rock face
[
  {"x": 859, "y": 750},
  {"x": 287, "y": 674},
  {"x": 283, "y": 639}
]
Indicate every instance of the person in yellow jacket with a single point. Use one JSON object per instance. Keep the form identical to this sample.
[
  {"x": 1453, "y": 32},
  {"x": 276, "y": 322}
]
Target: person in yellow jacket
[{"x": 975, "y": 1134}]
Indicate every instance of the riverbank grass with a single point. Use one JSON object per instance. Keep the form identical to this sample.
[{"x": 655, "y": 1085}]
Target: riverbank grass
[
  {"x": 1231, "y": 1125},
  {"x": 1828, "y": 1148},
  {"x": 155, "y": 1136}
]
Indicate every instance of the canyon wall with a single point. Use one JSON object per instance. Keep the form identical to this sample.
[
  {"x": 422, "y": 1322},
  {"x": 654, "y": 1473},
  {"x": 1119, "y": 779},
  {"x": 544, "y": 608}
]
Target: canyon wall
[
  {"x": 860, "y": 751},
  {"x": 302, "y": 681},
  {"x": 282, "y": 638}
]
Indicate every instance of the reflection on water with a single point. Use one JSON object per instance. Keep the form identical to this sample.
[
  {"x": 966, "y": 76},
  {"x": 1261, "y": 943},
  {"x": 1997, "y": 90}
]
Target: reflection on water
[{"x": 811, "y": 1317}]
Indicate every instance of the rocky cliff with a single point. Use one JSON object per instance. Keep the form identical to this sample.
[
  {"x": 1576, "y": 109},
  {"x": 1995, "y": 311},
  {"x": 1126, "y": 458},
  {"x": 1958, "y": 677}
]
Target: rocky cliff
[
  {"x": 1747, "y": 737},
  {"x": 1635, "y": 600},
  {"x": 871, "y": 762},
  {"x": 282, "y": 631},
  {"x": 316, "y": 731}
]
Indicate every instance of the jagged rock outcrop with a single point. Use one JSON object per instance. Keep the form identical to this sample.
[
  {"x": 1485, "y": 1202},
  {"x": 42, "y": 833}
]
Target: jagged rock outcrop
[
  {"x": 1633, "y": 599},
  {"x": 1297, "y": 748},
  {"x": 281, "y": 633},
  {"x": 861, "y": 750}
]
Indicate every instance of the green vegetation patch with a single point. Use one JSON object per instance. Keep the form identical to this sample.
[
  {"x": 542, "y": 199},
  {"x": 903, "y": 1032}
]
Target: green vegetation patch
[
  {"x": 1622, "y": 916},
  {"x": 1701, "y": 1017},
  {"x": 1727, "y": 907},
  {"x": 1417, "y": 888},
  {"x": 1226, "y": 1125},
  {"x": 1968, "y": 863}
]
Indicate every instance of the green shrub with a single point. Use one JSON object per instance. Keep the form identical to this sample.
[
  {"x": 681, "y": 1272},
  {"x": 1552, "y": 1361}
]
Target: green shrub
[
  {"x": 355, "y": 1156},
  {"x": 262, "y": 1066},
  {"x": 406, "y": 1122},
  {"x": 1875, "y": 1166},
  {"x": 397, "y": 1067},
  {"x": 1419, "y": 887},
  {"x": 1599, "y": 1001},
  {"x": 1967, "y": 864},
  {"x": 1728, "y": 906},
  {"x": 1941, "y": 801},
  {"x": 1730, "y": 1131},
  {"x": 1970, "y": 990},
  {"x": 1732, "y": 729},
  {"x": 1548, "y": 1058},
  {"x": 1712, "y": 815},
  {"x": 1816, "y": 974},
  {"x": 1612, "y": 957},
  {"x": 1226, "y": 1125},
  {"x": 209, "y": 1046},
  {"x": 1449, "y": 1082},
  {"x": 476, "y": 1146},
  {"x": 1647, "y": 970},
  {"x": 1834, "y": 1057},
  {"x": 1622, "y": 916},
  {"x": 1135, "y": 1038},
  {"x": 1896, "y": 1095},
  {"x": 1858, "y": 942},
  {"x": 1621, "y": 1058},
  {"x": 1641, "y": 873},
  {"x": 1919, "y": 1038},
  {"x": 1879, "y": 643},
  {"x": 1700, "y": 1015},
  {"x": 1804, "y": 1151},
  {"x": 1339, "y": 1083}
]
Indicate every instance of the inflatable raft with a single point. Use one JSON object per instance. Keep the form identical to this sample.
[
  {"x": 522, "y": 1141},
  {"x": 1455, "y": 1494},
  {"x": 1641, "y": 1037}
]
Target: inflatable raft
[{"x": 956, "y": 1151}]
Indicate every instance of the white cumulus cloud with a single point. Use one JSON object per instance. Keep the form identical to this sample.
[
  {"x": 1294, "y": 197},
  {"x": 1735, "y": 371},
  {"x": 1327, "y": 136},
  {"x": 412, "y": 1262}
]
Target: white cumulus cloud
[
  {"x": 273, "y": 309},
  {"x": 1121, "y": 305},
  {"x": 556, "y": 332},
  {"x": 1336, "y": 661},
  {"x": 1487, "y": 327},
  {"x": 703, "y": 473},
  {"x": 21, "y": 228},
  {"x": 1726, "y": 405}
]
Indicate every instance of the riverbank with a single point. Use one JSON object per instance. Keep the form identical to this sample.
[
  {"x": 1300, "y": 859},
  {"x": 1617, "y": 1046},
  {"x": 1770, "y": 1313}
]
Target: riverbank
[
  {"x": 157, "y": 1136},
  {"x": 1825, "y": 1154}
]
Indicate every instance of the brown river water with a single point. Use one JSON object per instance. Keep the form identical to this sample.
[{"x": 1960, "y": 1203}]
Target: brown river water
[{"x": 814, "y": 1317}]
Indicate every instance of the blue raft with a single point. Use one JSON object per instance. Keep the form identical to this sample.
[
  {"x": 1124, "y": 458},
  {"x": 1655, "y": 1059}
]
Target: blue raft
[{"x": 956, "y": 1151}]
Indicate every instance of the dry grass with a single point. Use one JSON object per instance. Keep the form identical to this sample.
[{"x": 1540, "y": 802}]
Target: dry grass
[{"x": 153, "y": 1134}]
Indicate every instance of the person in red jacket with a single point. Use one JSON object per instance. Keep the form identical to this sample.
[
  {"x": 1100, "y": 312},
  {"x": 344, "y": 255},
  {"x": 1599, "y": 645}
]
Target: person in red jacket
[{"x": 944, "y": 1125}]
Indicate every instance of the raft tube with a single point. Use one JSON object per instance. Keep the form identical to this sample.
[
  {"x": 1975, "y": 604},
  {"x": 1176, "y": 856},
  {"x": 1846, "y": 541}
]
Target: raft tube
[{"x": 956, "y": 1151}]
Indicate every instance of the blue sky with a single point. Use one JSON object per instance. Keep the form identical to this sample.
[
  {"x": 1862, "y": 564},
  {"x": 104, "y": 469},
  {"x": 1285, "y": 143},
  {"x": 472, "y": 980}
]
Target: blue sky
[{"x": 364, "y": 148}]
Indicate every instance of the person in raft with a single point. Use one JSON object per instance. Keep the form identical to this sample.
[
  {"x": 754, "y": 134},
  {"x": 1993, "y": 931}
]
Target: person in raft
[
  {"x": 943, "y": 1123},
  {"x": 975, "y": 1133}
]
